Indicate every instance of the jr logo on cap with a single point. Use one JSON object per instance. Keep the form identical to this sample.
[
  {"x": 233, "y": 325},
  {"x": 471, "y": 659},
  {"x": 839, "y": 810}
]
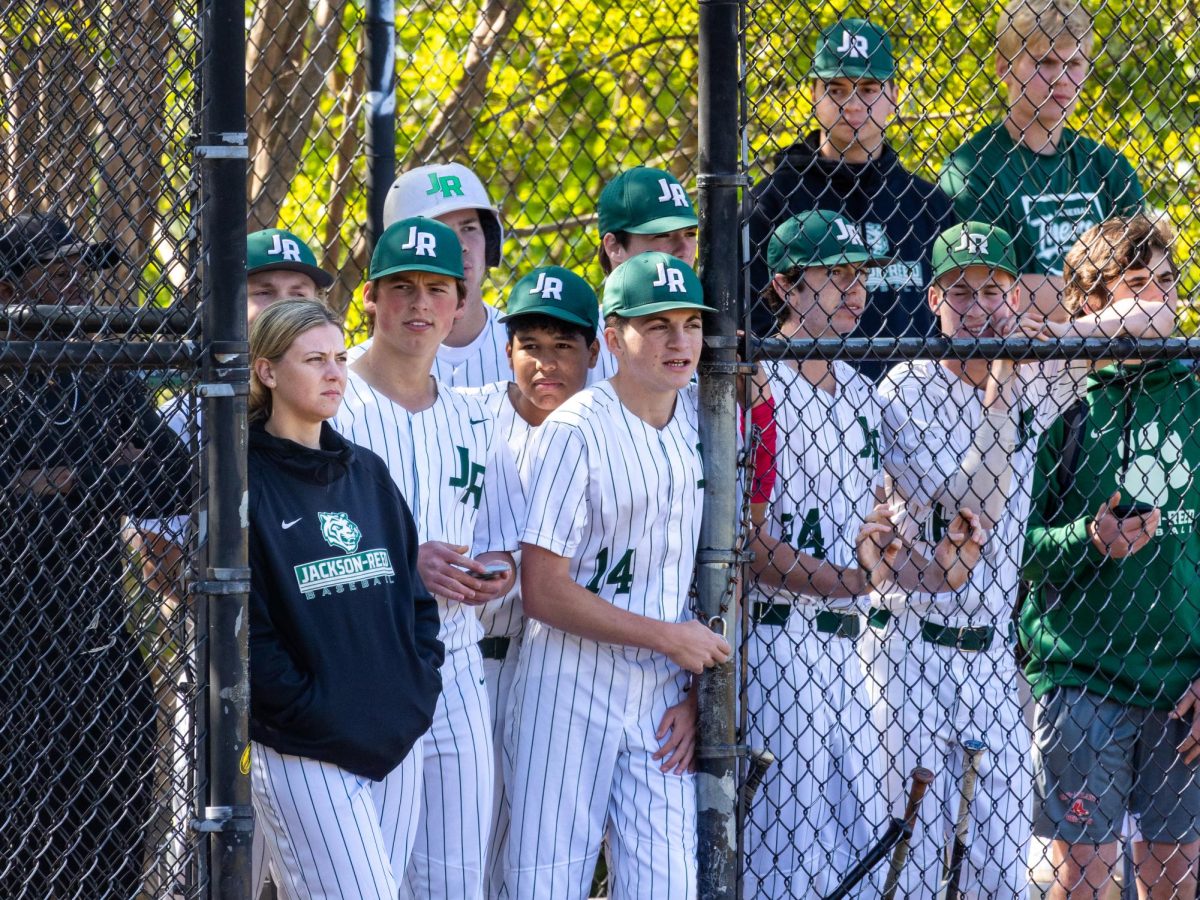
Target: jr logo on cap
[
  {"x": 550, "y": 287},
  {"x": 672, "y": 278},
  {"x": 447, "y": 185},
  {"x": 975, "y": 244},
  {"x": 853, "y": 45},
  {"x": 845, "y": 233},
  {"x": 285, "y": 246},
  {"x": 671, "y": 193},
  {"x": 424, "y": 242}
]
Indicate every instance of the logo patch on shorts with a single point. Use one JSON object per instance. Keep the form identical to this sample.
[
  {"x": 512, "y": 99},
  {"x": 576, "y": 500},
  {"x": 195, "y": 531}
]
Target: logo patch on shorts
[{"x": 1079, "y": 806}]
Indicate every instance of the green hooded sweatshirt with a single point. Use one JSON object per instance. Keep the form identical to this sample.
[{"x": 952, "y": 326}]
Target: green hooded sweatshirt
[{"x": 1126, "y": 628}]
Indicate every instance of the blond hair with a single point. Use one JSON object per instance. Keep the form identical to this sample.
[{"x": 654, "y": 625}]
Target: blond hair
[
  {"x": 1036, "y": 26},
  {"x": 273, "y": 333},
  {"x": 1105, "y": 251}
]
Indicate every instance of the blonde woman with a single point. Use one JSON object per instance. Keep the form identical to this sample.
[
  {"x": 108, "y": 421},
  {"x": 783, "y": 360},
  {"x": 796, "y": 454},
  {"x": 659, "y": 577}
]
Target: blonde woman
[{"x": 344, "y": 654}]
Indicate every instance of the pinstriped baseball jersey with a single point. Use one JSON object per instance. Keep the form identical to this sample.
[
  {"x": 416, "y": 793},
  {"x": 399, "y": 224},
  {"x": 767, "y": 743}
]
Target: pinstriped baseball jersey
[
  {"x": 483, "y": 361},
  {"x": 929, "y": 421},
  {"x": 828, "y": 467},
  {"x": 453, "y": 468},
  {"x": 620, "y": 498},
  {"x": 503, "y": 617}
]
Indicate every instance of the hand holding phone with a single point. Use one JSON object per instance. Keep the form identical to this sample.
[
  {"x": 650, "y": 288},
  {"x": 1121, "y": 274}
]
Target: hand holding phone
[{"x": 492, "y": 572}]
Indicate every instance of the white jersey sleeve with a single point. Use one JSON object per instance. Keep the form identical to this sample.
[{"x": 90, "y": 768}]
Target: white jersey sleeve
[{"x": 555, "y": 472}]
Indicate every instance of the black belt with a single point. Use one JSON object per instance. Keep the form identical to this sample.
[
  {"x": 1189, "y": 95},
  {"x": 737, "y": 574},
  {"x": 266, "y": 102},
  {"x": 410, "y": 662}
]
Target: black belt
[
  {"x": 494, "y": 647},
  {"x": 971, "y": 639},
  {"x": 841, "y": 624}
]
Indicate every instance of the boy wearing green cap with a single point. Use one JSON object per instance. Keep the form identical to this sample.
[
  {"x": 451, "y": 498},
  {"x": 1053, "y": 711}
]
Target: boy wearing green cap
[
  {"x": 821, "y": 807},
  {"x": 847, "y": 166},
  {"x": 942, "y": 672},
  {"x": 453, "y": 467},
  {"x": 1029, "y": 173},
  {"x": 552, "y": 319},
  {"x": 615, "y": 485},
  {"x": 644, "y": 209},
  {"x": 279, "y": 265}
]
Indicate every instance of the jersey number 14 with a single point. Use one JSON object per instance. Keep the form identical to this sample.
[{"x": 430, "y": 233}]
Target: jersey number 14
[{"x": 620, "y": 574}]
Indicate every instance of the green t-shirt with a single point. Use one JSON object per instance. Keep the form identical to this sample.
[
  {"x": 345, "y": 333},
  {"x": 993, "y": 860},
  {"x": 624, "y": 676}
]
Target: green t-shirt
[{"x": 1044, "y": 201}]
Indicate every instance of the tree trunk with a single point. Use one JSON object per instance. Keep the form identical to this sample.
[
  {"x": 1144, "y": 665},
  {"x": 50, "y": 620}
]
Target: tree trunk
[{"x": 450, "y": 133}]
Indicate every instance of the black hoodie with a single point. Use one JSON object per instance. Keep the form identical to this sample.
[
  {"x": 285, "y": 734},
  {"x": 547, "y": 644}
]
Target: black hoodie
[
  {"x": 901, "y": 215},
  {"x": 344, "y": 654}
]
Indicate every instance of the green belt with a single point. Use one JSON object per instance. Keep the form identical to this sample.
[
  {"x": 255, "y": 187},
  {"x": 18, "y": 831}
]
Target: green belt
[
  {"x": 776, "y": 615},
  {"x": 494, "y": 647},
  {"x": 973, "y": 639}
]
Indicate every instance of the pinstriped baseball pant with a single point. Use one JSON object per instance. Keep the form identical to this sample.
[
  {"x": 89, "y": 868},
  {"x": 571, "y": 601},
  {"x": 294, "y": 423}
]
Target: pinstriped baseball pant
[{"x": 330, "y": 833}]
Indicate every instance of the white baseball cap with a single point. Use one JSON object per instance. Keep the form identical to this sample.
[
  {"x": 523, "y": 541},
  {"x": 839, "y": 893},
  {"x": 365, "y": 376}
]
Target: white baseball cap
[{"x": 442, "y": 188}]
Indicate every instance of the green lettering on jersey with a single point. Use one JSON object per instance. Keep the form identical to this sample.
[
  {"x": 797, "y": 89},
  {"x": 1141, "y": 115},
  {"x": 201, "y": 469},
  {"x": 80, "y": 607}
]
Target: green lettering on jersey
[
  {"x": 620, "y": 575},
  {"x": 870, "y": 448},
  {"x": 470, "y": 476},
  {"x": 810, "y": 539},
  {"x": 448, "y": 186}
]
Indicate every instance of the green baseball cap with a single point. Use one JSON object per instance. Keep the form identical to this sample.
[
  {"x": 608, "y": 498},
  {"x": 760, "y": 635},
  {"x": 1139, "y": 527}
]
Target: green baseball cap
[
  {"x": 555, "y": 292},
  {"x": 651, "y": 283},
  {"x": 274, "y": 249},
  {"x": 973, "y": 244},
  {"x": 819, "y": 237},
  {"x": 417, "y": 244},
  {"x": 645, "y": 201},
  {"x": 853, "y": 48}
]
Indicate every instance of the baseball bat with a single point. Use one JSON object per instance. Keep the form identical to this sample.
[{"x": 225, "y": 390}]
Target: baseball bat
[
  {"x": 760, "y": 761},
  {"x": 972, "y": 753},
  {"x": 919, "y": 782},
  {"x": 897, "y": 830}
]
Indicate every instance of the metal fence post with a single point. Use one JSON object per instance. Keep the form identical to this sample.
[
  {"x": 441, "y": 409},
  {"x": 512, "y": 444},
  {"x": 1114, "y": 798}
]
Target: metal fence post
[
  {"x": 380, "y": 129},
  {"x": 718, "y": 184},
  {"x": 224, "y": 582}
]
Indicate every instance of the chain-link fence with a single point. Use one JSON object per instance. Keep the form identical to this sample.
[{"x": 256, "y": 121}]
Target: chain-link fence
[
  {"x": 103, "y": 671},
  {"x": 931, "y": 179},
  {"x": 1034, "y": 682}
]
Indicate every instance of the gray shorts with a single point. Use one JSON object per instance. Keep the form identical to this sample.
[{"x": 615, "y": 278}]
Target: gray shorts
[{"x": 1096, "y": 759}]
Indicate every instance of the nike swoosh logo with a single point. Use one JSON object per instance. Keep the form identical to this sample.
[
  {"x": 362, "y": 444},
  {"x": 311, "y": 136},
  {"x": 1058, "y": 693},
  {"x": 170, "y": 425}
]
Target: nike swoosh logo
[
  {"x": 287, "y": 525},
  {"x": 477, "y": 421}
]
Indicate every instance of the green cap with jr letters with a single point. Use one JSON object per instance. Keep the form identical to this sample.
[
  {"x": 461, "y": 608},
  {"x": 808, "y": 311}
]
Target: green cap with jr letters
[
  {"x": 645, "y": 201},
  {"x": 274, "y": 249},
  {"x": 973, "y": 244},
  {"x": 819, "y": 237},
  {"x": 853, "y": 48},
  {"x": 555, "y": 292},
  {"x": 417, "y": 244},
  {"x": 651, "y": 283}
]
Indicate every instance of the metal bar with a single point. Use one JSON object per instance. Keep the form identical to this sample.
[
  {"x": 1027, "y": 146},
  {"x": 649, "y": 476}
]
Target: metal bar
[
  {"x": 380, "y": 126},
  {"x": 971, "y": 348},
  {"x": 718, "y": 183},
  {"x": 117, "y": 320},
  {"x": 103, "y": 355},
  {"x": 223, "y": 235}
]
